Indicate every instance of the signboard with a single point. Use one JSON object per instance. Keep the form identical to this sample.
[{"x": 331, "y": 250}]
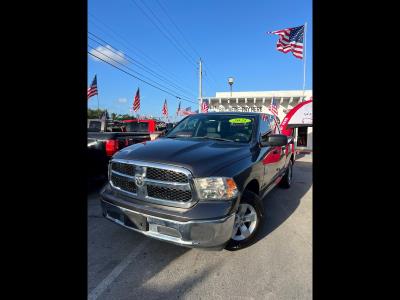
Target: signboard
[
  {"x": 238, "y": 108},
  {"x": 299, "y": 116}
]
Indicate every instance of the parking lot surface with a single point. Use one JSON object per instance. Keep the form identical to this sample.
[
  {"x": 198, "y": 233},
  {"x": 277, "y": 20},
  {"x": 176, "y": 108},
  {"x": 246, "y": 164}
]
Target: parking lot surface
[{"x": 123, "y": 264}]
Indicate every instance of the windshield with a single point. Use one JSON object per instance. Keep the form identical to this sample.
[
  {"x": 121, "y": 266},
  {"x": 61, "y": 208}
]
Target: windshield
[
  {"x": 137, "y": 127},
  {"x": 232, "y": 128},
  {"x": 96, "y": 125}
]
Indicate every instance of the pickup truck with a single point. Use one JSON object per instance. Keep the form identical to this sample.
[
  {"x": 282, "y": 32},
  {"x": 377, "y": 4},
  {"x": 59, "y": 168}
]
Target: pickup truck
[
  {"x": 104, "y": 138},
  {"x": 143, "y": 125},
  {"x": 202, "y": 184}
]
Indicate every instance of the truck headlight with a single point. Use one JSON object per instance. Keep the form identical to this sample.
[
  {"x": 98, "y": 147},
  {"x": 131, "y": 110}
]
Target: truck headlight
[{"x": 216, "y": 188}]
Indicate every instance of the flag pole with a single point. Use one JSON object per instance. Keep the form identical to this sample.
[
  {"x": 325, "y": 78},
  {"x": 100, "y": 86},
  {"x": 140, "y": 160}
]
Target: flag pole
[
  {"x": 98, "y": 105},
  {"x": 305, "y": 56}
]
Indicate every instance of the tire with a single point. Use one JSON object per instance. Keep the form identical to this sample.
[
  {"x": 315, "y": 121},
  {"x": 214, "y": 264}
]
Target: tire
[
  {"x": 250, "y": 204},
  {"x": 287, "y": 178}
]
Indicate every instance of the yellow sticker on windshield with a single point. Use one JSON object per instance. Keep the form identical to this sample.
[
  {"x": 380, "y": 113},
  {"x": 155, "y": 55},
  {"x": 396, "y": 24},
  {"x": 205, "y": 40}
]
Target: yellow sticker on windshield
[{"x": 239, "y": 121}]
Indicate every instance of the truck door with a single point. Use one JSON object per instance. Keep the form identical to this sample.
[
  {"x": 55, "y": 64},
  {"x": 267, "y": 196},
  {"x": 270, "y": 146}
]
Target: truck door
[
  {"x": 271, "y": 157},
  {"x": 283, "y": 151}
]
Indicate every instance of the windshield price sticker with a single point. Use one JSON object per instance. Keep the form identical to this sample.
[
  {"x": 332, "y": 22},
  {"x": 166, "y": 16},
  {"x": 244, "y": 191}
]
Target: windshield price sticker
[{"x": 239, "y": 121}]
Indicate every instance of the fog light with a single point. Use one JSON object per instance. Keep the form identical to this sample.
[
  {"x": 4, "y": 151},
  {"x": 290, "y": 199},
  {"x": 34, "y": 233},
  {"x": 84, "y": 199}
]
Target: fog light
[
  {"x": 168, "y": 231},
  {"x": 201, "y": 232}
]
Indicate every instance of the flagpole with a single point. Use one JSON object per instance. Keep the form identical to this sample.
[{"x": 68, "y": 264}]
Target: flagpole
[{"x": 305, "y": 56}]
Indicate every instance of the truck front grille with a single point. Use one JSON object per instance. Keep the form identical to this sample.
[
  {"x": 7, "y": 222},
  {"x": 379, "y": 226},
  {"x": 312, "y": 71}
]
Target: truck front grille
[
  {"x": 151, "y": 182},
  {"x": 166, "y": 175},
  {"x": 168, "y": 193},
  {"x": 126, "y": 169},
  {"x": 123, "y": 183}
]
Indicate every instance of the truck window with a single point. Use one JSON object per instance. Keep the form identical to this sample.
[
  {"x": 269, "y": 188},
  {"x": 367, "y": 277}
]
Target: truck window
[
  {"x": 137, "y": 127},
  {"x": 275, "y": 127},
  {"x": 235, "y": 128},
  {"x": 265, "y": 127},
  {"x": 95, "y": 125}
]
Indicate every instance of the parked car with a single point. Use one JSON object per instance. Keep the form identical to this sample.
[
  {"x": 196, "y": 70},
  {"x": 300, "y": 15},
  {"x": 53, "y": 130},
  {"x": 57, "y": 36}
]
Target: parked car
[{"x": 203, "y": 183}]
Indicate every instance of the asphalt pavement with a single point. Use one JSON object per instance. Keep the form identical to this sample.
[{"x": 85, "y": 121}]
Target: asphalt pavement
[{"x": 123, "y": 264}]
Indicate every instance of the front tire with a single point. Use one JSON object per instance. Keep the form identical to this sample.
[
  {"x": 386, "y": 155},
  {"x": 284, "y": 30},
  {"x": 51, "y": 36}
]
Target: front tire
[{"x": 248, "y": 220}]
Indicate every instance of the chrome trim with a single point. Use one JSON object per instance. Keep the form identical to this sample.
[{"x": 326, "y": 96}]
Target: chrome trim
[
  {"x": 153, "y": 165},
  {"x": 131, "y": 178},
  {"x": 141, "y": 191},
  {"x": 168, "y": 184}
]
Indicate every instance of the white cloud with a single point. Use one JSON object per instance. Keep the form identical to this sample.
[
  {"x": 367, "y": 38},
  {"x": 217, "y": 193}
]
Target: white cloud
[
  {"x": 122, "y": 100},
  {"x": 109, "y": 54}
]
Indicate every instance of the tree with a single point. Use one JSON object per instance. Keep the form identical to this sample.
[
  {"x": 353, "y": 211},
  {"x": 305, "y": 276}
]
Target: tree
[
  {"x": 97, "y": 113},
  {"x": 124, "y": 117},
  {"x": 113, "y": 115}
]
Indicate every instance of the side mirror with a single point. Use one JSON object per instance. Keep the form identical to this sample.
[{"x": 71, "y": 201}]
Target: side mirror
[{"x": 275, "y": 140}]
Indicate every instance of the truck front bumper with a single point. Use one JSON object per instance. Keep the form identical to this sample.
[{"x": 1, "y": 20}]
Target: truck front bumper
[{"x": 210, "y": 234}]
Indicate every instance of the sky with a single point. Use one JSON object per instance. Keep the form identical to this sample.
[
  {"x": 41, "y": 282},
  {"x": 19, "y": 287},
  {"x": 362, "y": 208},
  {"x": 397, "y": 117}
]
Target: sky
[{"x": 161, "y": 41}]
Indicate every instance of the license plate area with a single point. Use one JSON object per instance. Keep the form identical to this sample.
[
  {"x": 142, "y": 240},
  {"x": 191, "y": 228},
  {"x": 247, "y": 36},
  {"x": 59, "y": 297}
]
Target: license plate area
[{"x": 127, "y": 218}]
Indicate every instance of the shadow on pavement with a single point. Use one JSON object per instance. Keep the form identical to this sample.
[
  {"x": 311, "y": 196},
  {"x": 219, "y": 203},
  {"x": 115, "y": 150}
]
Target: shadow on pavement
[
  {"x": 280, "y": 203},
  {"x": 175, "y": 288},
  {"x": 302, "y": 154},
  {"x": 134, "y": 283},
  {"x": 95, "y": 183}
]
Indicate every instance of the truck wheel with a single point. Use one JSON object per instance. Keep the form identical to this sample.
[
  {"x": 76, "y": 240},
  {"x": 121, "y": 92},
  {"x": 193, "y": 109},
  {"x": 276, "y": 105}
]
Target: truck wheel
[
  {"x": 248, "y": 220},
  {"x": 287, "y": 178}
]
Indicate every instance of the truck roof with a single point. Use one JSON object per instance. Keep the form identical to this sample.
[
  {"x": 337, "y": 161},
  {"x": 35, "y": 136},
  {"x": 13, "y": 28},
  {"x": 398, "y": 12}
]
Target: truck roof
[{"x": 139, "y": 120}]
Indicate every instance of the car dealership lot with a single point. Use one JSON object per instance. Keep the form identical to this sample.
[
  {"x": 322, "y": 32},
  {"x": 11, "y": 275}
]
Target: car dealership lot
[{"x": 123, "y": 264}]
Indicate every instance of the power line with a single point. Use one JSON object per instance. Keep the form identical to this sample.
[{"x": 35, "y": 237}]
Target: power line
[
  {"x": 182, "y": 98},
  {"x": 176, "y": 26},
  {"x": 128, "y": 45},
  {"x": 165, "y": 35},
  {"x": 140, "y": 65},
  {"x": 132, "y": 69},
  {"x": 184, "y": 37},
  {"x": 166, "y": 29},
  {"x": 212, "y": 77}
]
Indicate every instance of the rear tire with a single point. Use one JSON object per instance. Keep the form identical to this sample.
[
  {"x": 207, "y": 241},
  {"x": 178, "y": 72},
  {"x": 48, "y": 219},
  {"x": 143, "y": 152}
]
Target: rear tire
[
  {"x": 248, "y": 221},
  {"x": 287, "y": 178}
]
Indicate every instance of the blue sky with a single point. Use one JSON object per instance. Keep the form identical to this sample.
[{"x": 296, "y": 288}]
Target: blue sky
[{"x": 230, "y": 36}]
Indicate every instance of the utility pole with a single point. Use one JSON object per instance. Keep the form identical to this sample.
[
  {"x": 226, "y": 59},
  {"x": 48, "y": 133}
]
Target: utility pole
[{"x": 200, "y": 85}]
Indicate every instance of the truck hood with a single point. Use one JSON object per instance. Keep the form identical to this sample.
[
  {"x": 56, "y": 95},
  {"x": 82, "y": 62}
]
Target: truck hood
[{"x": 201, "y": 157}]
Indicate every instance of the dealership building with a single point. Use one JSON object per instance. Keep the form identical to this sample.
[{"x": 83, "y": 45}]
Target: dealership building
[{"x": 259, "y": 101}]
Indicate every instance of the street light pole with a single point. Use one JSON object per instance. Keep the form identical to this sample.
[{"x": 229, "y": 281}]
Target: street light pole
[
  {"x": 200, "y": 85},
  {"x": 230, "y": 81}
]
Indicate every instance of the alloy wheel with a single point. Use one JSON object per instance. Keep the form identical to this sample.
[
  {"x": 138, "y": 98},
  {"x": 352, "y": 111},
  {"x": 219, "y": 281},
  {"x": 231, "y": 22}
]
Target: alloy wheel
[{"x": 245, "y": 222}]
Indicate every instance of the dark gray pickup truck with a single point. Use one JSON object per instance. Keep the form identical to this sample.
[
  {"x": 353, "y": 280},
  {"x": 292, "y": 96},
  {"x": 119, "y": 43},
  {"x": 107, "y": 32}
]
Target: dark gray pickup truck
[{"x": 203, "y": 183}]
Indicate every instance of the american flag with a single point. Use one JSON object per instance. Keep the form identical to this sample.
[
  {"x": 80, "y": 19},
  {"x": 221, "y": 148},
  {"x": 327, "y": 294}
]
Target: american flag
[
  {"x": 92, "y": 90},
  {"x": 264, "y": 117},
  {"x": 274, "y": 107},
  {"x": 165, "y": 108},
  {"x": 187, "y": 111},
  {"x": 204, "y": 106},
  {"x": 136, "y": 101},
  {"x": 290, "y": 39}
]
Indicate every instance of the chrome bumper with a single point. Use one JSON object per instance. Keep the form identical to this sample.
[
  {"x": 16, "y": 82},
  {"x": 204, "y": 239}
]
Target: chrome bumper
[{"x": 196, "y": 234}]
